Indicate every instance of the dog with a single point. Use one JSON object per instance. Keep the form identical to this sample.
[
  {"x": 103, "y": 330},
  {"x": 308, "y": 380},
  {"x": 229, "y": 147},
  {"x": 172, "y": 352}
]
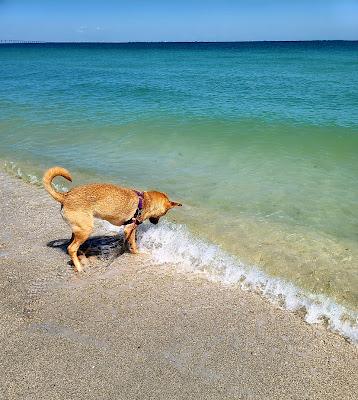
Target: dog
[{"x": 113, "y": 203}]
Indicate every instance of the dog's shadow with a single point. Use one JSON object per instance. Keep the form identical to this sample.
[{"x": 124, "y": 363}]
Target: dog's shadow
[{"x": 102, "y": 248}]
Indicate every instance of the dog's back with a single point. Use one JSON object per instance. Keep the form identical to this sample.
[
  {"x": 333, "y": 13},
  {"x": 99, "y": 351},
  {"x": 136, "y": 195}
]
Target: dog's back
[{"x": 106, "y": 201}]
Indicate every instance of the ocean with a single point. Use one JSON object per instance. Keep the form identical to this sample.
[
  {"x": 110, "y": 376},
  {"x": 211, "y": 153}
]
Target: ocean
[{"x": 258, "y": 140}]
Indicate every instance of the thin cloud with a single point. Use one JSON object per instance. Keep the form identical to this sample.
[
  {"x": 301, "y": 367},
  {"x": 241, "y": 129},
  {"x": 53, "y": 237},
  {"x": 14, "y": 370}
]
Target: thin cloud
[{"x": 82, "y": 29}]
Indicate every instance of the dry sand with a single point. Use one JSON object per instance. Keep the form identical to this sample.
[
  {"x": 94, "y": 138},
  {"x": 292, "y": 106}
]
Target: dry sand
[{"x": 134, "y": 330}]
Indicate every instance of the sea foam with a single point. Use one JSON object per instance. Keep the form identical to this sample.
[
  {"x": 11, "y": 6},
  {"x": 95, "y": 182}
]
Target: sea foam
[
  {"x": 174, "y": 244},
  {"x": 14, "y": 170}
]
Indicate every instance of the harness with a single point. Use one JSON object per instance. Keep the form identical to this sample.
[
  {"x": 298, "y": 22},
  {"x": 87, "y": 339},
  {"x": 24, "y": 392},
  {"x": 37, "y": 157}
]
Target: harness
[{"x": 135, "y": 219}]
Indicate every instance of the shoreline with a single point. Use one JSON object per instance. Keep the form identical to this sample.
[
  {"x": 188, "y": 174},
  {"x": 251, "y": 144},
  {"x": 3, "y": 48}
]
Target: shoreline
[
  {"x": 173, "y": 42},
  {"x": 172, "y": 243},
  {"x": 123, "y": 329}
]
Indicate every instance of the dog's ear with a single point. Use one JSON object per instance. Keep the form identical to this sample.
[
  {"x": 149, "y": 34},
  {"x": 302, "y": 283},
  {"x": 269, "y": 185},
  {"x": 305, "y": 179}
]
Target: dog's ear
[{"x": 175, "y": 204}]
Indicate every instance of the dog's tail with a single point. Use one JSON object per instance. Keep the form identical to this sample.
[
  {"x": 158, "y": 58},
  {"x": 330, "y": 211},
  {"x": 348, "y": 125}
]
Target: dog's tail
[{"x": 49, "y": 175}]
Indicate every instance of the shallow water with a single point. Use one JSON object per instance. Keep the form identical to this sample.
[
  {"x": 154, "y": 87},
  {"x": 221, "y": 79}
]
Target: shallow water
[{"x": 259, "y": 141}]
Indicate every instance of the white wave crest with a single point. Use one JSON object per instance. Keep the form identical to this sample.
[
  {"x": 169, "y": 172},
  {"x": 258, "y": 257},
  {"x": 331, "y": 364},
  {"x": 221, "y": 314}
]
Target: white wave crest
[
  {"x": 170, "y": 243},
  {"x": 14, "y": 170}
]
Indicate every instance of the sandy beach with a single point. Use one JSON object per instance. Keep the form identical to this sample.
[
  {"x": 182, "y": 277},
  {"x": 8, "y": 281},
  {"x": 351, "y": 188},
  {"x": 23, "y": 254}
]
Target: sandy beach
[{"x": 130, "y": 329}]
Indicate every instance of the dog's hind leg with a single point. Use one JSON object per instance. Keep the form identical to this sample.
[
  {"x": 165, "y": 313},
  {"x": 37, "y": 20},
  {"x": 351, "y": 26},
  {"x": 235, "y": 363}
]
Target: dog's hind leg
[
  {"x": 80, "y": 237},
  {"x": 82, "y": 225},
  {"x": 71, "y": 240}
]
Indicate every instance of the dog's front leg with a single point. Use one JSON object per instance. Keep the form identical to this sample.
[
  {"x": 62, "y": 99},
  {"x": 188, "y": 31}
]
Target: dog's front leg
[{"x": 130, "y": 235}]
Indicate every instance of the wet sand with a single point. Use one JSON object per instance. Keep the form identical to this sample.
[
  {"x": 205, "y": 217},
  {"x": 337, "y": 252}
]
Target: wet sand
[{"x": 134, "y": 330}]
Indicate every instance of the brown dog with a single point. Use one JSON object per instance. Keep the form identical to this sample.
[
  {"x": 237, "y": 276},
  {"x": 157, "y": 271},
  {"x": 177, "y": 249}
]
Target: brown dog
[{"x": 115, "y": 204}]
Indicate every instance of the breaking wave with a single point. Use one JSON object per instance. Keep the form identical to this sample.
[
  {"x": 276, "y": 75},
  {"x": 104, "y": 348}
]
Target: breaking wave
[{"x": 171, "y": 243}]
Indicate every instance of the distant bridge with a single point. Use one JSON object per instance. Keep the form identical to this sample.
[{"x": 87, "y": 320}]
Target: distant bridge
[{"x": 13, "y": 41}]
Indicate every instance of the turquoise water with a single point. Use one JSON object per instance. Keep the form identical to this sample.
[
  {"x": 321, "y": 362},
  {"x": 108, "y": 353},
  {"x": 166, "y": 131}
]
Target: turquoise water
[{"x": 258, "y": 140}]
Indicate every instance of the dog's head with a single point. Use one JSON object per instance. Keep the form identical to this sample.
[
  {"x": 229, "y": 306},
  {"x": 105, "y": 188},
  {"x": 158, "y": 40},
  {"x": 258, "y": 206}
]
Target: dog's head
[{"x": 159, "y": 206}]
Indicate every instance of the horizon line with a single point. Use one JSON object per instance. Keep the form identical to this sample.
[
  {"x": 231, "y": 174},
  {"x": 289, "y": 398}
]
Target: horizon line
[{"x": 21, "y": 41}]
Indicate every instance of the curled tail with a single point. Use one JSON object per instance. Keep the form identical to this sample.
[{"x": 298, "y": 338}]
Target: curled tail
[{"x": 49, "y": 175}]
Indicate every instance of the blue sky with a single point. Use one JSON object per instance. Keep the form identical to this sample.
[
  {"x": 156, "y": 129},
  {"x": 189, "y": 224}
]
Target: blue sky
[{"x": 185, "y": 20}]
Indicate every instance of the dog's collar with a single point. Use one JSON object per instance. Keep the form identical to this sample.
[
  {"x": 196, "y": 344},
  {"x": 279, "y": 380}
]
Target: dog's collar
[{"x": 138, "y": 212}]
